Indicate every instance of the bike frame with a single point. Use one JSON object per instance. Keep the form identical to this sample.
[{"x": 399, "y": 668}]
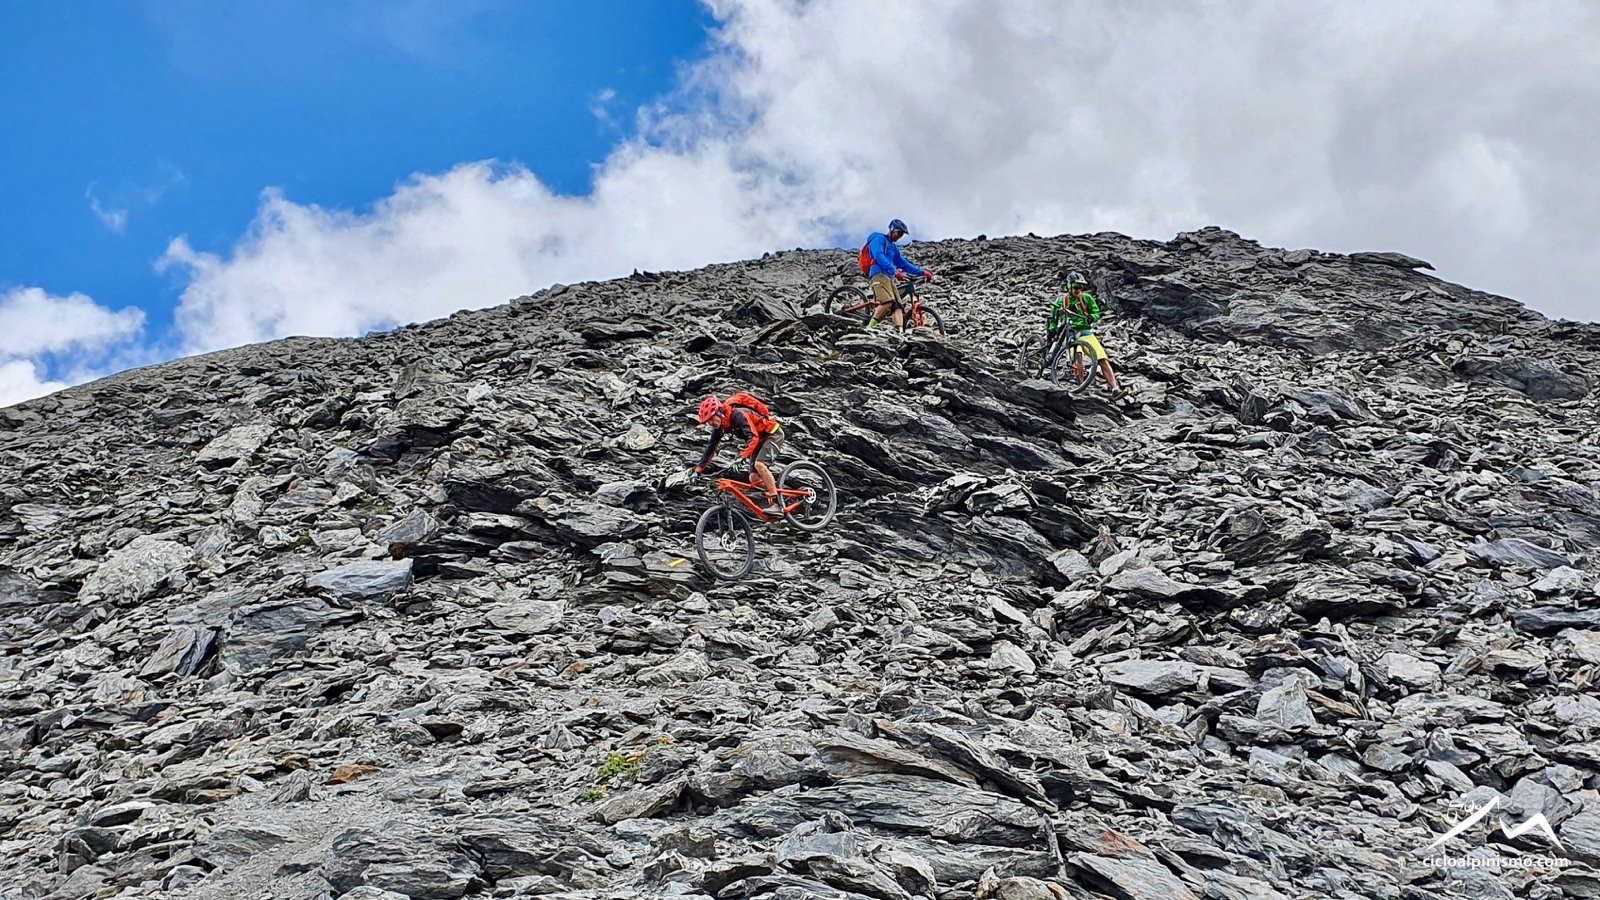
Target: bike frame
[
  {"x": 910, "y": 304},
  {"x": 737, "y": 488}
]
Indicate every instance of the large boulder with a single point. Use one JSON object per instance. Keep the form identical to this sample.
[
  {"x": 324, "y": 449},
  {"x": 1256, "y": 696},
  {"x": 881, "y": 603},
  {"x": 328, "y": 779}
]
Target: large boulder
[{"x": 137, "y": 571}]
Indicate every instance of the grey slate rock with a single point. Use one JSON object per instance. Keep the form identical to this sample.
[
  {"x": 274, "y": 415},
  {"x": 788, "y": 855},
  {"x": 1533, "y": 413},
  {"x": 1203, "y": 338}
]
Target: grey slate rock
[
  {"x": 182, "y": 652},
  {"x": 1041, "y": 625},
  {"x": 1517, "y": 552},
  {"x": 1151, "y": 676},
  {"x": 368, "y": 580},
  {"x": 235, "y": 444},
  {"x": 259, "y": 634},
  {"x": 138, "y": 570}
]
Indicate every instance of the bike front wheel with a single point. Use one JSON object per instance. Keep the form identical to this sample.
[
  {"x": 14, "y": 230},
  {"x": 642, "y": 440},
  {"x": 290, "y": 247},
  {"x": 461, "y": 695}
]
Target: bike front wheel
[
  {"x": 814, "y": 510},
  {"x": 725, "y": 543},
  {"x": 928, "y": 317},
  {"x": 850, "y": 301},
  {"x": 1033, "y": 360},
  {"x": 1077, "y": 365},
  {"x": 1055, "y": 348}
]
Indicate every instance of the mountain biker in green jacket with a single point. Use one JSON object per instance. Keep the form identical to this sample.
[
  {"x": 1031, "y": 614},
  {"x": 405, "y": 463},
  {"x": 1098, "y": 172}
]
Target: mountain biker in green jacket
[{"x": 1078, "y": 310}]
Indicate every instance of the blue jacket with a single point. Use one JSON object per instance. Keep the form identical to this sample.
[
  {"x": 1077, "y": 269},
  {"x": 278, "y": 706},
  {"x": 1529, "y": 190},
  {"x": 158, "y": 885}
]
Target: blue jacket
[{"x": 886, "y": 257}]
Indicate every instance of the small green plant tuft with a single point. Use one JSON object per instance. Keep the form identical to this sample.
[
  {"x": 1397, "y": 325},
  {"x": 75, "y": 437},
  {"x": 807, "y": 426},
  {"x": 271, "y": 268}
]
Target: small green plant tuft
[{"x": 618, "y": 765}]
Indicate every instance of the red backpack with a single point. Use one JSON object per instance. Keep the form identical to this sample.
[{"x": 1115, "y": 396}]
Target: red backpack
[
  {"x": 751, "y": 402},
  {"x": 866, "y": 259}
]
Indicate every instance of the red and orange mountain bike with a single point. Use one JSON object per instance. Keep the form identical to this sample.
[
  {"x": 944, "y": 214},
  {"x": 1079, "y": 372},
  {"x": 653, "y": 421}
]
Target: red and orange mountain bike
[
  {"x": 723, "y": 537},
  {"x": 858, "y": 303}
]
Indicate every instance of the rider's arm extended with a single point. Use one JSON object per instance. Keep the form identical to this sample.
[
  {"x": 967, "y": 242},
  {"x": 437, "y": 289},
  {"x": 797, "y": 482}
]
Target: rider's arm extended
[
  {"x": 711, "y": 450},
  {"x": 901, "y": 262},
  {"x": 1058, "y": 314}
]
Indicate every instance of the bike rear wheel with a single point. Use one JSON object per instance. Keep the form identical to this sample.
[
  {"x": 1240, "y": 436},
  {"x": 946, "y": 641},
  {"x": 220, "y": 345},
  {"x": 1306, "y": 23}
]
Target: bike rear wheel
[
  {"x": 1077, "y": 365},
  {"x": 724, "y": 542},
  {"x": 814, "y": 513},
  {"x": 853, "y": 299}
]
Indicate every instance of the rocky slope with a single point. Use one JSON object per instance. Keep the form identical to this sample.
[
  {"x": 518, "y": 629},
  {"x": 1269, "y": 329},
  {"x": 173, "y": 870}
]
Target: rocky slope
[{"x": 415, "y": 615}]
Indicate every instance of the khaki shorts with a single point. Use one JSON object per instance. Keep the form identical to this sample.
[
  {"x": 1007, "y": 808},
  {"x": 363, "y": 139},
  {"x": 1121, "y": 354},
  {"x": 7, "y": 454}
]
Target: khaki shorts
[
  {"x": 884, "y": 289},
  {"x": 770, "y": 444}
]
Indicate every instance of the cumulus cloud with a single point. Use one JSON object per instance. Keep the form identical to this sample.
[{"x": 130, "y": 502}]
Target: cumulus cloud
[
  {"x": 48, "y": 342},
  {"x": 20, "y": 379},
  {"x": 1456, "y": 131}
]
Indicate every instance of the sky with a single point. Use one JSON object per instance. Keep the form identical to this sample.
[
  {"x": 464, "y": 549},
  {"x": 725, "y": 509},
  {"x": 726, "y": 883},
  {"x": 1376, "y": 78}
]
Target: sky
[{"x": 181, "y": 176}]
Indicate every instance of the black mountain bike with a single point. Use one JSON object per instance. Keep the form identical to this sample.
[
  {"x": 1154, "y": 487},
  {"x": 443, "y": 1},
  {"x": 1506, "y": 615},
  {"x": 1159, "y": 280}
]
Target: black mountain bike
[{"x": 1064, "y": 353}]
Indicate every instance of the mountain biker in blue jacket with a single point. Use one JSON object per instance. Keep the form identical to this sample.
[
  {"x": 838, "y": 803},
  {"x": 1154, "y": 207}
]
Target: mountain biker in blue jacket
[{"x": 887, "y": 265}]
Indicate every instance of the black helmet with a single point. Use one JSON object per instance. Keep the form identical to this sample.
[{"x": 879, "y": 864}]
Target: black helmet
[
  {"x": 1072, "y": 277},
  {"x": 898, "y": 225}
]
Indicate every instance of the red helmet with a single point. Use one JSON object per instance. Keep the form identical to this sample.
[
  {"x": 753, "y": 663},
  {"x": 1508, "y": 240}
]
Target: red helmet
[{"x": 711, "y": 409}]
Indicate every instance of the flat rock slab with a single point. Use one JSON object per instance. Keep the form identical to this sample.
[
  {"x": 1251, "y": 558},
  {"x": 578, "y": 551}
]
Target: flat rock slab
[
  {"x": 1008, "y": 657},
  {"x": 688, "y": 666},
  {"x": 640, "y": 803},
  {"x": 1134, "y": 877},
  {"x": 1411, "y": 671},
  {"x": 1551, "y": 619},
  {"x": 588, "y": 525},
  {"x": 1581, "y": 834},
  {"x": 1286, "y": 708},
  {"x": 1580, "y": 645},
  {"x": 1517, "y": 552},
  {"x": 527, "y": 616},
  {"x": 1152, "y": 676},
  {"x": 182, "y": 652},
  {"x": 1153, "y": 584},
  {"x": 261, "y": 633},
  {"x": 1564, "y": 581},
  {"x": 235, "y": 444},
  {"x": 367, "y": 580}
]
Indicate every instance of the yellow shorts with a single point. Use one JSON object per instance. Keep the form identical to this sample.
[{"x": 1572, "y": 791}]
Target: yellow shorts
[{"x": 1095, "y": 345}]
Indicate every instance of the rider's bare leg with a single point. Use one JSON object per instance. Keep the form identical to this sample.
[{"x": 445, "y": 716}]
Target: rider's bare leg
[
  {"x": 881, "y": 311},
  {"x": 899, "y": 318},
  {"x": 1111, "y": 377},
  {"x": 767, "y": 482}
]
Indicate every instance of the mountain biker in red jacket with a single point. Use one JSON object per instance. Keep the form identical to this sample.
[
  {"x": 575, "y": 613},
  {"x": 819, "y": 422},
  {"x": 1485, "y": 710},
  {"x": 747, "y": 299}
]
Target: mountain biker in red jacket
[
  {"x": 887, "y": 266},
  {"x": 764, "y": 432}
]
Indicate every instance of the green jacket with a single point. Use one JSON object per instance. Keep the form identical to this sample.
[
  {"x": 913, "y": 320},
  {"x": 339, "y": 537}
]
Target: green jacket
[{"x": 1080, "y": 316}]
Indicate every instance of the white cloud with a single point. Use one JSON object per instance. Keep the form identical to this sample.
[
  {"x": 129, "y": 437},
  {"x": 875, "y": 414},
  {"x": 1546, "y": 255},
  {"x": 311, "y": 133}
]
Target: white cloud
[
  {"x": 34, "y": 322},
  {"x": 74, "y": 337},
  {"x": 113, "y": 212},
  {"x": 1461, "y": 132},
  {"x": 114, "y": 219},
  {"x": 600, "y": 105},
  {"x": 20, "y": 380}
]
